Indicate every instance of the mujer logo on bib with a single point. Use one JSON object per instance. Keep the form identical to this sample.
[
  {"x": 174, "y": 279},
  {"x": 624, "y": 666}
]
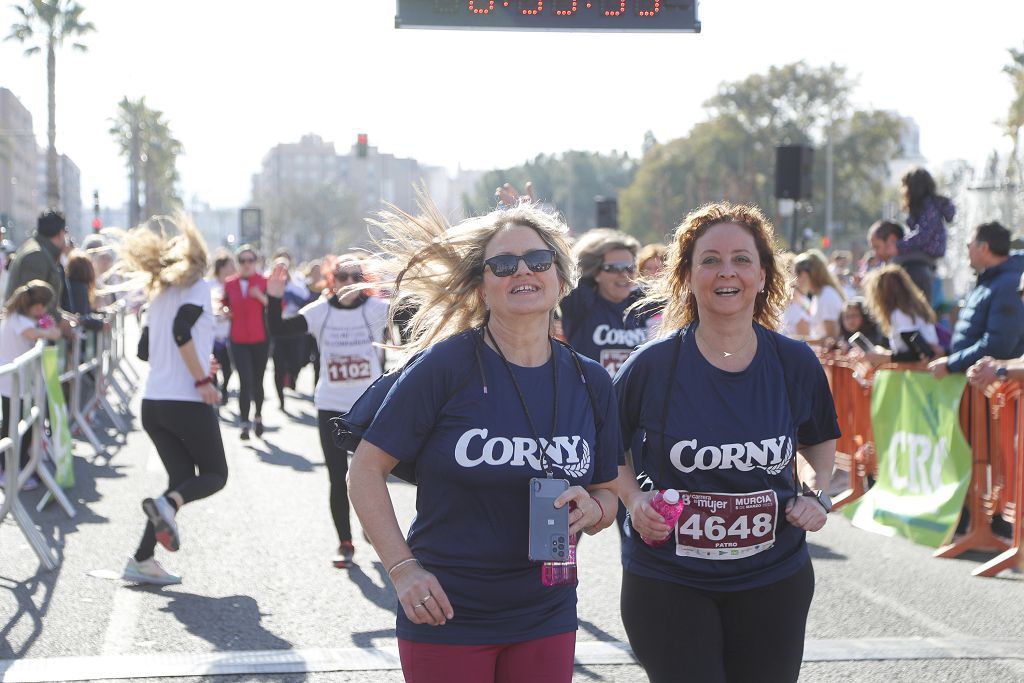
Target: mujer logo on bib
[
  {"x": 771, "y": 455},
  {"x": 571, "y": 454}
]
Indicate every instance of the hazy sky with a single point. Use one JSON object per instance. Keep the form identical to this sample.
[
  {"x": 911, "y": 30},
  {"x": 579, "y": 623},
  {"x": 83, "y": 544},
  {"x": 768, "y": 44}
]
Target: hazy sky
[{"x": 237, "y": 77}]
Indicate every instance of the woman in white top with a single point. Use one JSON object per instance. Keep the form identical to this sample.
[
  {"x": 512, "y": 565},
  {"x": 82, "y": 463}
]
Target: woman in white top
[
  {"x": 814, "y": 280},
  {"x": 178, "y": 403},
  {"x": 25, "y": 322},
  {"x": 348, "y": 326},
  {"x": 900, "y": 309}
]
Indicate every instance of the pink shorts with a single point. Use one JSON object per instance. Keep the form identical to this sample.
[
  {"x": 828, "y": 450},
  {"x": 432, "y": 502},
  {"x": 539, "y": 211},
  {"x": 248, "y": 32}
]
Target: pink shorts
[{"x": 544, "y": 660}]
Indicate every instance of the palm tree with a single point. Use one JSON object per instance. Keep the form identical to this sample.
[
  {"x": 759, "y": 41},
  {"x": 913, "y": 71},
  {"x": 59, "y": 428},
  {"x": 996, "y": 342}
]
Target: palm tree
[
  {"x": 53, "y": 21},
  {"x": 151, "y": 151},
  {"x": 1015, "y": 116},
  {"x": 127, "y": 131}
]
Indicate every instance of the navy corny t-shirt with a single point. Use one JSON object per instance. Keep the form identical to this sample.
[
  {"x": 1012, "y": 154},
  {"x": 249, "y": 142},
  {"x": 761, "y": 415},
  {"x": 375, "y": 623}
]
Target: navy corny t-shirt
[
  {"x": 600, "y": 329},
  {"x": 474, "y": 455},
  {"x": 726, "y": 433}
]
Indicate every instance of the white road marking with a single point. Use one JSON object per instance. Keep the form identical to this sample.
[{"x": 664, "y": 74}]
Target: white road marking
[{"x": 588, "y": 653}]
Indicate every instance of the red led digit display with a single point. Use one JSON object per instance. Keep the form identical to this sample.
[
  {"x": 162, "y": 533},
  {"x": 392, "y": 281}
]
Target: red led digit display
[
  {"x": 566, "y": 8},
  {"x": 551, "y": 15},
  {"x": 614, "y": 8}
]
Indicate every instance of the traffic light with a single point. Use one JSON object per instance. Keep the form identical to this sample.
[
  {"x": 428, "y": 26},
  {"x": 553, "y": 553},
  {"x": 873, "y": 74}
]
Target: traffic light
[
  {"x": 97, "y": 222},
  {"x": 362, "y": 145}
]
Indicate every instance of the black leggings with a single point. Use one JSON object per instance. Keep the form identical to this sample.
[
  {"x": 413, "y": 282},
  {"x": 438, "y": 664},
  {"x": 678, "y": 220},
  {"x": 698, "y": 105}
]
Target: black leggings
[
  {"x": 288, "y": 351},
  {"x": 220, "y": 352},
  {"x": 337, "y": 467},
  {"x": 251, "y": 364},
  {"x": 5, "y": 430},
  {"x": 685, "y": 634},
  {"x": 187, "y": 438}
]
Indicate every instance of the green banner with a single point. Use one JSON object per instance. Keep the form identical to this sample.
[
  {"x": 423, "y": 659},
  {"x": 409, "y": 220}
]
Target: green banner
[
  {"x": 924, "y": 462},
  {"x": 60, "y": 439}
]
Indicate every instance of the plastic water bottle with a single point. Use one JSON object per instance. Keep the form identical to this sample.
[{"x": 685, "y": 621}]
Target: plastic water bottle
[
  {"x": 561, "y": 573},
  {"x": 667, "y": 504}
]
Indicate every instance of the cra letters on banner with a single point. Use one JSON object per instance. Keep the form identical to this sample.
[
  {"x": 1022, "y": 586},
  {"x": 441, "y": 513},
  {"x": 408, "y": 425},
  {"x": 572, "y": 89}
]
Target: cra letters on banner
[{"x": 924, "y": 461}]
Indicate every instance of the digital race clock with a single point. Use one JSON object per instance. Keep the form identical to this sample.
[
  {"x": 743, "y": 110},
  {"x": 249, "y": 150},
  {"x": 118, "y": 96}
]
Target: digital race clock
[{"x": 550, "y": 15}]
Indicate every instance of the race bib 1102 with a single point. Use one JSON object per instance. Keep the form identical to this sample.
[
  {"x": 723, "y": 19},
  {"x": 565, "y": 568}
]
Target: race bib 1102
[
  {"x": 726, "y": 526},
  {"x": 343, "y": 369}
]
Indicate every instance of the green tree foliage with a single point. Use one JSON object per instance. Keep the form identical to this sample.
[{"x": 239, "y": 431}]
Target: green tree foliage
[
  {"x": 151, "y": 153},
  {"x": 50, "y": 22},
  {"x": 569, "y": 181},
  {"x": 731, "y": 156}
]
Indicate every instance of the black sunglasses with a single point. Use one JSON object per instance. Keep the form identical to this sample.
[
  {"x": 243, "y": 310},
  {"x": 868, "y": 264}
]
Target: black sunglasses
[
  {"x": 343, "y": 276},
  {"x": 537, "y": 261},
  {"x": 618, "y": 268}
]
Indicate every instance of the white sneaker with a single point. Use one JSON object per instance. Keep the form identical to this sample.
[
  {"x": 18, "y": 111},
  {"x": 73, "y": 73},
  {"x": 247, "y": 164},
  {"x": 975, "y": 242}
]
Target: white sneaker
[
  {"x": 148, "y": 571},
  {"x": 161, "y": 513}
]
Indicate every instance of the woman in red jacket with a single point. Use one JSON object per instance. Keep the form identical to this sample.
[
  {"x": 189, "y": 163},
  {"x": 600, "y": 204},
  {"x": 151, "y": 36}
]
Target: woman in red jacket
[{"x": 245, "y": 296}]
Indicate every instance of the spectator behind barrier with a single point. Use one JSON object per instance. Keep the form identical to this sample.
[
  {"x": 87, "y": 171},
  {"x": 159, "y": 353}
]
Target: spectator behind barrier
[
  {"x": 826, "y": 294},
  {"x": 855, "y": 318},
  {"x": 796, "y": 318},
  {"x": 991, "y": 322},
  {"x": 927, "y": 214},
  {"x": 900, "y": 307}
]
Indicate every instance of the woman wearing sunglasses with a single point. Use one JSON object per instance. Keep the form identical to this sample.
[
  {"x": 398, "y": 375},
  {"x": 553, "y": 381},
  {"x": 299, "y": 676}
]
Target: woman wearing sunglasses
[
  {"x": 596, "y": 316},
  {"x": 489, "y": 403},
  {"x": 244, "y": 297},
  {"x": 348, "y": 326}
]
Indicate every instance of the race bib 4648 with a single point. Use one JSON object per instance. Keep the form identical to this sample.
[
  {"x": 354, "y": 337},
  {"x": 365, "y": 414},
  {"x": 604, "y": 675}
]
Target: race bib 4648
[{"x": 726, "y": 526}]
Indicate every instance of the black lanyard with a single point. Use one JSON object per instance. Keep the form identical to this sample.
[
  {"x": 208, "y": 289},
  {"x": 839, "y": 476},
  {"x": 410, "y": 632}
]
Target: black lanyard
[{"x": 545, "y": 465}]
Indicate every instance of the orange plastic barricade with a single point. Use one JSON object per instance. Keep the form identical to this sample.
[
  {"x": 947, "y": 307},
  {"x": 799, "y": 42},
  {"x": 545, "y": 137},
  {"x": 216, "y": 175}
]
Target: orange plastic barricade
[
  {"x": 976, "y": 419},
  {"x": 855, "y": 448},
  {"x": 1007, "y": 441}
]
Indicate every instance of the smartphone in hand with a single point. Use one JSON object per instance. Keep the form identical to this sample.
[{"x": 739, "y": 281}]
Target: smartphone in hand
[{"x": 549, "y": 526}]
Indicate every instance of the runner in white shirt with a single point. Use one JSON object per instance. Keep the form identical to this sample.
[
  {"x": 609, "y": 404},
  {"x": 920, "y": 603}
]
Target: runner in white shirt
[
  {"x": 346, "y": 325},
  {"x": 178, "y": 403},
  {"x": 814, "y": 280}
]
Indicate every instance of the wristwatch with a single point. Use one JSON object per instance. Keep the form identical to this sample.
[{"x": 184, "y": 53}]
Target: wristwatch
[
  {"x": 822, "y": 498},
  {"x": 1002, "y": 372}
]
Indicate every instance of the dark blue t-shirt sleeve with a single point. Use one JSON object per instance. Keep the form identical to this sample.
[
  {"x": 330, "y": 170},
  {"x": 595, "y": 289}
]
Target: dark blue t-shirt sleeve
[
  {"x": 410, "y": 410},
  {"x": 609, "y": 440},
  {"x": 816, "y": 417},
  {"x": 628, "y": 382}
]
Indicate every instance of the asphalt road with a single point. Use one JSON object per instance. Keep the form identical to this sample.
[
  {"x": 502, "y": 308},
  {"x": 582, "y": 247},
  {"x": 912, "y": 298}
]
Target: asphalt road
[{"x": 257, "y": 577}]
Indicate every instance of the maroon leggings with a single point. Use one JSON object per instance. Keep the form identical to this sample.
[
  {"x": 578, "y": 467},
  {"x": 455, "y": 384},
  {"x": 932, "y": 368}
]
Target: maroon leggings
[{"x": 544, "y": 660}]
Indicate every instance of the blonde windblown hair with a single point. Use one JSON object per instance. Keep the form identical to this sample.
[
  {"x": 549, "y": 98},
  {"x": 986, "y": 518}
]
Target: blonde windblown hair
[
  {"x": 438, "y": 269},
  {"x": 166, "y": 251},
  {"x": 671, "y": 287}
]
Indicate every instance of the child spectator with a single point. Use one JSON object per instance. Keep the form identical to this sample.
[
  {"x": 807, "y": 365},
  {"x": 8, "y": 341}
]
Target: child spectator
[
  {"x": 899, "y": 306},
  {"x": 855, "y": 318},
  {"x": 25, "y": 322}
]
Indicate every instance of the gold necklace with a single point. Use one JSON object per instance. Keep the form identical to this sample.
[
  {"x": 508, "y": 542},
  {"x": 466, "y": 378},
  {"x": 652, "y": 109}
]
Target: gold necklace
[{"x": 726, "y": 354}]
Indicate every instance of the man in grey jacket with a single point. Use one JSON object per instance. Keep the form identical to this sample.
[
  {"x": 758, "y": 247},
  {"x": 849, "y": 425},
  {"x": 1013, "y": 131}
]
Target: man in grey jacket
[{"x": 38, "y": 258}]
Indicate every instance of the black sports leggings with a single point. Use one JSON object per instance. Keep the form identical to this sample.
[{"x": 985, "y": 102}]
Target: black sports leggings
[
  {"x": 251, "y": 364},
  {"x": 220, "y": 352},
  {"x": 337, "y": 467},
  {"x": 288, "y": 350},
  {"x": 187, "y": 438},
  {"x": 685, "y": 634}
]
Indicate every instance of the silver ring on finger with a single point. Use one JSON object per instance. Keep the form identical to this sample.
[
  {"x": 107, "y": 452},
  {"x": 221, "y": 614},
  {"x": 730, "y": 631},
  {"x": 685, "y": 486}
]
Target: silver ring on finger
[
  {"x": 424, "y": 600},
  {"x": 418, "y": 604}
]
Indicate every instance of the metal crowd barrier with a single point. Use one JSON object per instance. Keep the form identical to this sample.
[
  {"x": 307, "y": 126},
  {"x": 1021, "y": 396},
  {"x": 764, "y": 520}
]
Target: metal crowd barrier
[
  {"x": 993, "y": 425},
  {"x": 111, "y": 371}
]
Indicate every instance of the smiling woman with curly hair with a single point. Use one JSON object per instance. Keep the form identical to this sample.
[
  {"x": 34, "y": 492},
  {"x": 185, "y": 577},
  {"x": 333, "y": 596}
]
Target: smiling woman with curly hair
[{"x": 728, "y": 408}]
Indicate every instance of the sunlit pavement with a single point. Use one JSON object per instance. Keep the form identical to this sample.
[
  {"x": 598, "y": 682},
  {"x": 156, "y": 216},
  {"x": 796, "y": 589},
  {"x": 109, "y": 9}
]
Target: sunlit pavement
[{"x": 261, "y": 601}]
